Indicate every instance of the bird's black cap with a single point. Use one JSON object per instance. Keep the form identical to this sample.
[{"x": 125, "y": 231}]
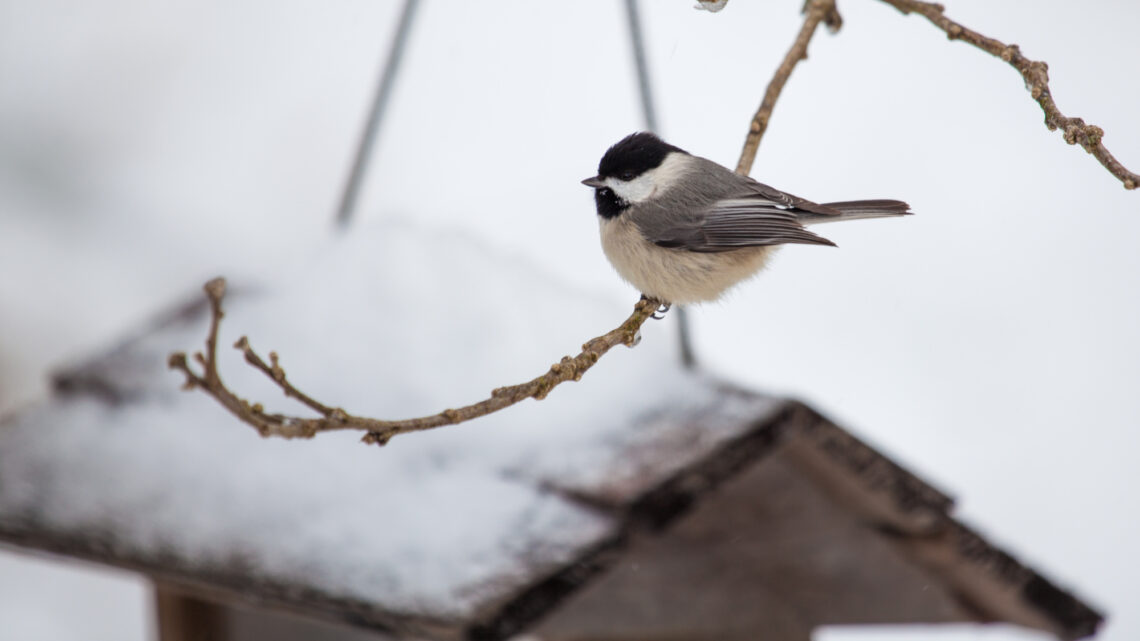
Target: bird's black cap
[{"x": 634, "y": 155}]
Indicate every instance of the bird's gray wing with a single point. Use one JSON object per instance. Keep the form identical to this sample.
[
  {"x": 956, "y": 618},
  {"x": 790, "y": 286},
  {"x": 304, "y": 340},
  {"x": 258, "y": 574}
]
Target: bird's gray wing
[
  {"x": 746, "y": 220},
  {"x": 788, "y": 201}
]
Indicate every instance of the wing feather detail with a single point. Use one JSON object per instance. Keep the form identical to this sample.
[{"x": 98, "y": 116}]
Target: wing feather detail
[
  {"x": 725, "y": 211},
  {"x": 737, "y": 222}
]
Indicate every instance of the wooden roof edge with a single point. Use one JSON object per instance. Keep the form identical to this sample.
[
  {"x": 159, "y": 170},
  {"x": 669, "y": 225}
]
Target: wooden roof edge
[
  {"x": 1068, "y": 617},
  {"x": 226, "y": 583},
  {"x": 903, "y": 506},
  {"x": 654, "y": 511},
  {"x": 875, "y": 470},
  {"x": 893, "y": 500}
]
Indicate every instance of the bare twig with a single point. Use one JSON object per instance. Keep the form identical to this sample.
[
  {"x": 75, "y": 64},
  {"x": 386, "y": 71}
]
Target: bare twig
[
  {"x": 378, "y": 431},
  {"x": 815, "y": 12},
  {"x": 1036, "y": 76}
]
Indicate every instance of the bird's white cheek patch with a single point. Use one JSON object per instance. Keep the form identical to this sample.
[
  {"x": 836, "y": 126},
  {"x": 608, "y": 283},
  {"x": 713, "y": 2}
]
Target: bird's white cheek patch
[
  {"x": 636, "y": 190},
  {"x": 652, "y": 182}
]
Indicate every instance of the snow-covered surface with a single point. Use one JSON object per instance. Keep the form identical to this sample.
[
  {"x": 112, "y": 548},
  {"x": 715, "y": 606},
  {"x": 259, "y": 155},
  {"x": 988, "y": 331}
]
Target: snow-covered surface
[
  {"x": 988, "y": 342},
  {"x": 434, "y": 524}
]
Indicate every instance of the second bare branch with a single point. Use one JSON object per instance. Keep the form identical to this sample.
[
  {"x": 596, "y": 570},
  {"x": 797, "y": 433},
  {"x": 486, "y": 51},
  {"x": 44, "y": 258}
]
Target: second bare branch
[
  {"x": 815, "y": 12},
  {"x": 1036, "y": 76}
]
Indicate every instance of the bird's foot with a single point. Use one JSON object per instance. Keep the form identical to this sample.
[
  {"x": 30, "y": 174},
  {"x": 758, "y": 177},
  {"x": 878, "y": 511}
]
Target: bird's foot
[{"x": 658, "y": 313}]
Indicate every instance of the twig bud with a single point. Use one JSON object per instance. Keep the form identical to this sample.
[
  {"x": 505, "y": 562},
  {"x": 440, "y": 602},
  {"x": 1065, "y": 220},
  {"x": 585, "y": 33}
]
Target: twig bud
[
  {"x": 215, "y": 288},
  {"x": 376, "y": 438}
]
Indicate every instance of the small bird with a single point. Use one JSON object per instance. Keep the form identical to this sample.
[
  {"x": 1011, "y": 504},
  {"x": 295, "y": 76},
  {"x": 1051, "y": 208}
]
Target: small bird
[{"x": 683, "y": 229}]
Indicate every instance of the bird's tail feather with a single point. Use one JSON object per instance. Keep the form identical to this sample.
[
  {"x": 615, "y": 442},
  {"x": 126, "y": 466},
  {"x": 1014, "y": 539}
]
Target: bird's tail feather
[{"x": 855, "y": 209}]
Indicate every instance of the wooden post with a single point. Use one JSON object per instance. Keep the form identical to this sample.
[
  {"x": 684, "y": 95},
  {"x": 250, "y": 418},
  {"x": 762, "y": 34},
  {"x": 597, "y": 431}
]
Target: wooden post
[{"x": 182, "y": 617}]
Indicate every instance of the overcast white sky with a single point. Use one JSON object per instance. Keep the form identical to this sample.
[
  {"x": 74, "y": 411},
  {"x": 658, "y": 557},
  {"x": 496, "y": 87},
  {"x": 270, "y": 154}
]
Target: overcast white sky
[{"x": 989, "y": 342}]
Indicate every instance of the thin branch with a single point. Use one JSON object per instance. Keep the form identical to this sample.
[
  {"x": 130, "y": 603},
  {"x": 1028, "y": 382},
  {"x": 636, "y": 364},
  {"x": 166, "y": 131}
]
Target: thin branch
[
  {"x": 815, "y": 12},
  {"x": 379, "y": 431},
  {"x": 1036, "y": 76}
]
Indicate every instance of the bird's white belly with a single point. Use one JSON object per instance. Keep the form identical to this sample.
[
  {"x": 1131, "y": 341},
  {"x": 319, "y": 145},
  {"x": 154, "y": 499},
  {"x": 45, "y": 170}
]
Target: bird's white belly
[{"x": 676, "y": 275}]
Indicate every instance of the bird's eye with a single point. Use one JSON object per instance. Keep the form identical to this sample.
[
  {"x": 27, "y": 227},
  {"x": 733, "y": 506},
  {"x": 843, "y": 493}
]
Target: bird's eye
[{"x": 627, "y": 176}]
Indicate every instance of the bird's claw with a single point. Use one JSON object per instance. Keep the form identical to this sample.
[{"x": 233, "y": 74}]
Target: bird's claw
[{"x": 660, "y": 312}]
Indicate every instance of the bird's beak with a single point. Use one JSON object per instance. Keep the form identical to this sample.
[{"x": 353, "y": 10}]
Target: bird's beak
[{"x": 595, "y": 182}]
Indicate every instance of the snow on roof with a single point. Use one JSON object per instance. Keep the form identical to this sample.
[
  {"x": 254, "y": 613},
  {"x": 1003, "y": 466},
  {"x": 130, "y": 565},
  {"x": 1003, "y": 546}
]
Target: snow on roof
[{"x": 390, "y": 321}]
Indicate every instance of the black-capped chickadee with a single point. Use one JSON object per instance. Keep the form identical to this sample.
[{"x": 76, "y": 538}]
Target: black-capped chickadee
[{"x": 684, "y": 229}]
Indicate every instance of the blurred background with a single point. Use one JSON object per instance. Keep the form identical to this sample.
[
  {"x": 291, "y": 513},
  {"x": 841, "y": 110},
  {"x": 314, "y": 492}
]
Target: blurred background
[{"x": 989, "y": 343}]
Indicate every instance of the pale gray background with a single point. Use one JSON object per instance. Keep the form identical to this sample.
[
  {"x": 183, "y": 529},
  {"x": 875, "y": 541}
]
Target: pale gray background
[{"x": 990, "y": 342}]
